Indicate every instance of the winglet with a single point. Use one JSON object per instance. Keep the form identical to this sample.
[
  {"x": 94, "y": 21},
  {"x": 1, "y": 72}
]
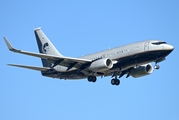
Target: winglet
[
  {"x": 10, "y": 47},
  {"x": 8, "y": 44}
]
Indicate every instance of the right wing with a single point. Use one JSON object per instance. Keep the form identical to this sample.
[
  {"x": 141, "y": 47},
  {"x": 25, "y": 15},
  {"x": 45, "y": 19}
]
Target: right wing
[{"x": 68, "y": 62}]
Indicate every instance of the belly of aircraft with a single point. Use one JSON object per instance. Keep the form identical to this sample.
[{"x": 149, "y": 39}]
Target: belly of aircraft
[{"x": 123, "y": 63}]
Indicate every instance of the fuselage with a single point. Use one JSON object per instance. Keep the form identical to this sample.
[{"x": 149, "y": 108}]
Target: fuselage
[
  {"x": 131, "y": 60},
  {"x": 123, "y": 57}
]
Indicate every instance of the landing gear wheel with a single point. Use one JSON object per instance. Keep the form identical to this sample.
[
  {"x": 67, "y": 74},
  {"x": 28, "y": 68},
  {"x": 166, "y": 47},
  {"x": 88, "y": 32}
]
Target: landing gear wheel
[
  {"x": 115, "y": 81},
  {"x": 157, "y": 67},
  {"x": 92, "y": 78}
]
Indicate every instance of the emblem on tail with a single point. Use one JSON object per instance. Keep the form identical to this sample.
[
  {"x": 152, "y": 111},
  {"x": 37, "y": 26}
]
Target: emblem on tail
[{"x": 45, "y": 47}]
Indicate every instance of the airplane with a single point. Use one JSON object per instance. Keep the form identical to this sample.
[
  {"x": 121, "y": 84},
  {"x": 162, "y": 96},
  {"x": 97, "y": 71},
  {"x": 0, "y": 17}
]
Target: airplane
[{"x": 131, "y": 60}]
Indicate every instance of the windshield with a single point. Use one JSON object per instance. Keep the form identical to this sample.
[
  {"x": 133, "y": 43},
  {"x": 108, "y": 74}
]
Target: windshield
[{"x": 159, "y": 43}]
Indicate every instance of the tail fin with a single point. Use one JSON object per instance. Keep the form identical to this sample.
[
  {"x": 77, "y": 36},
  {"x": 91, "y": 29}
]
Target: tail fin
[{"x": 45, "y": 46}]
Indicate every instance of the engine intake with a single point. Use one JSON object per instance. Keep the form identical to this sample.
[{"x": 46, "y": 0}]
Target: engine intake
[
  {"x": 142, "y": 70},
  {"x": 101, "y": 65}
]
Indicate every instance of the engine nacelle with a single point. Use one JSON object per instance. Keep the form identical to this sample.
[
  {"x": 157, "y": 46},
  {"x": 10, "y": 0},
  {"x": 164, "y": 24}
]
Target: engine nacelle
[
  {"x": 142, "y": 70},
  {"x": 101, "y": 65}
]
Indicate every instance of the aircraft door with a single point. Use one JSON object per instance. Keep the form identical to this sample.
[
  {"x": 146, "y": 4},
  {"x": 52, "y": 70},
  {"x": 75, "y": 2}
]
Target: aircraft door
[{"x": 146, "y": 46}]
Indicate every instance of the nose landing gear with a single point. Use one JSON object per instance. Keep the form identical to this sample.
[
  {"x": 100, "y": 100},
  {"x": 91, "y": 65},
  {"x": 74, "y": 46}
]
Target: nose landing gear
[
  {"x": 157, "y": 67},
  {"x": 157, "y": 61}
]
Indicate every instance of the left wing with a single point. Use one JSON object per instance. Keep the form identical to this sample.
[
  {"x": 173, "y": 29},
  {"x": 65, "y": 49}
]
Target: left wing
[{"x": 56, "y": 60}]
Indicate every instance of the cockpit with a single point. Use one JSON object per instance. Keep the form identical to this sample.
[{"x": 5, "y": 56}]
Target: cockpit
[{"x": 159, "y": 43}]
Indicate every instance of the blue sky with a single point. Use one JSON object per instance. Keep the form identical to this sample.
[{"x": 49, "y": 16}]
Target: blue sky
[{"x": 81, "y": 27}]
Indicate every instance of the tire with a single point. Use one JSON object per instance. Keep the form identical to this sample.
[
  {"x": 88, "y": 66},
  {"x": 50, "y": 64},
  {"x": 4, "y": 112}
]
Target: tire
[
  {"x": 113, "y": 81},
  {"x": 117, "y": 82},
  {"x": 90, "y": 78},
  {"x": 94, "y": 79}
]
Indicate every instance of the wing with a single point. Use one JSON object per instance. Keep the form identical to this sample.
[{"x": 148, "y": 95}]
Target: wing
[
  {"x": 31, "y": 67},
  {"x": 68, "y": 62}
]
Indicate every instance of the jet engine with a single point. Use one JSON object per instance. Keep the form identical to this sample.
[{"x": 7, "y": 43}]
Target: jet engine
[
  {"x": 141, "y": 70},
  {"x": 101, "y": 65}
]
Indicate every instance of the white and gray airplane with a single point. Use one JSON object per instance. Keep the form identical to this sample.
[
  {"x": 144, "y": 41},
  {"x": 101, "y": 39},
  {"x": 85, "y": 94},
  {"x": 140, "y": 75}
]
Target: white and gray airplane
[{"x": 132, "y": 59}]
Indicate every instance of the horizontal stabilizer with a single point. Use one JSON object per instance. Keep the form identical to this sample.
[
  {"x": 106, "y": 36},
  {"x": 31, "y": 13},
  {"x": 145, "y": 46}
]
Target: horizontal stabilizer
[{"x": 31, "y": 67}]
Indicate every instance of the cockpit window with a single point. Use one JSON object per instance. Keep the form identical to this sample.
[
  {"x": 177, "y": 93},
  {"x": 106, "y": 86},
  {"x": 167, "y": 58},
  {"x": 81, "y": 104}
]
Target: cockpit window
[{"x": 159, "y": 43}]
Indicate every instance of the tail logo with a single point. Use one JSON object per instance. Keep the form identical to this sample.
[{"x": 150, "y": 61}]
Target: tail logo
[{"x": 45, "y": 47}]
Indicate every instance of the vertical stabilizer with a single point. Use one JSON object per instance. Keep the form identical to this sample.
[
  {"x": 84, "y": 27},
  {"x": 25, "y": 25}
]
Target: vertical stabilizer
[{"x": 45, "y": 46}]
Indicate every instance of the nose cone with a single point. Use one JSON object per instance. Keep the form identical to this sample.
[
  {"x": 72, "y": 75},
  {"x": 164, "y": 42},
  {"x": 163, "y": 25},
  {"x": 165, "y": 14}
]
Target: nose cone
[{"x": 169, "y": 47}]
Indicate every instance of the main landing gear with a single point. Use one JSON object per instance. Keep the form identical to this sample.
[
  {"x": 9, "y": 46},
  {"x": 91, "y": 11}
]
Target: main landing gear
[
  {"x": 115, "y": 81},
  {"x": 92, "y": 78}
]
